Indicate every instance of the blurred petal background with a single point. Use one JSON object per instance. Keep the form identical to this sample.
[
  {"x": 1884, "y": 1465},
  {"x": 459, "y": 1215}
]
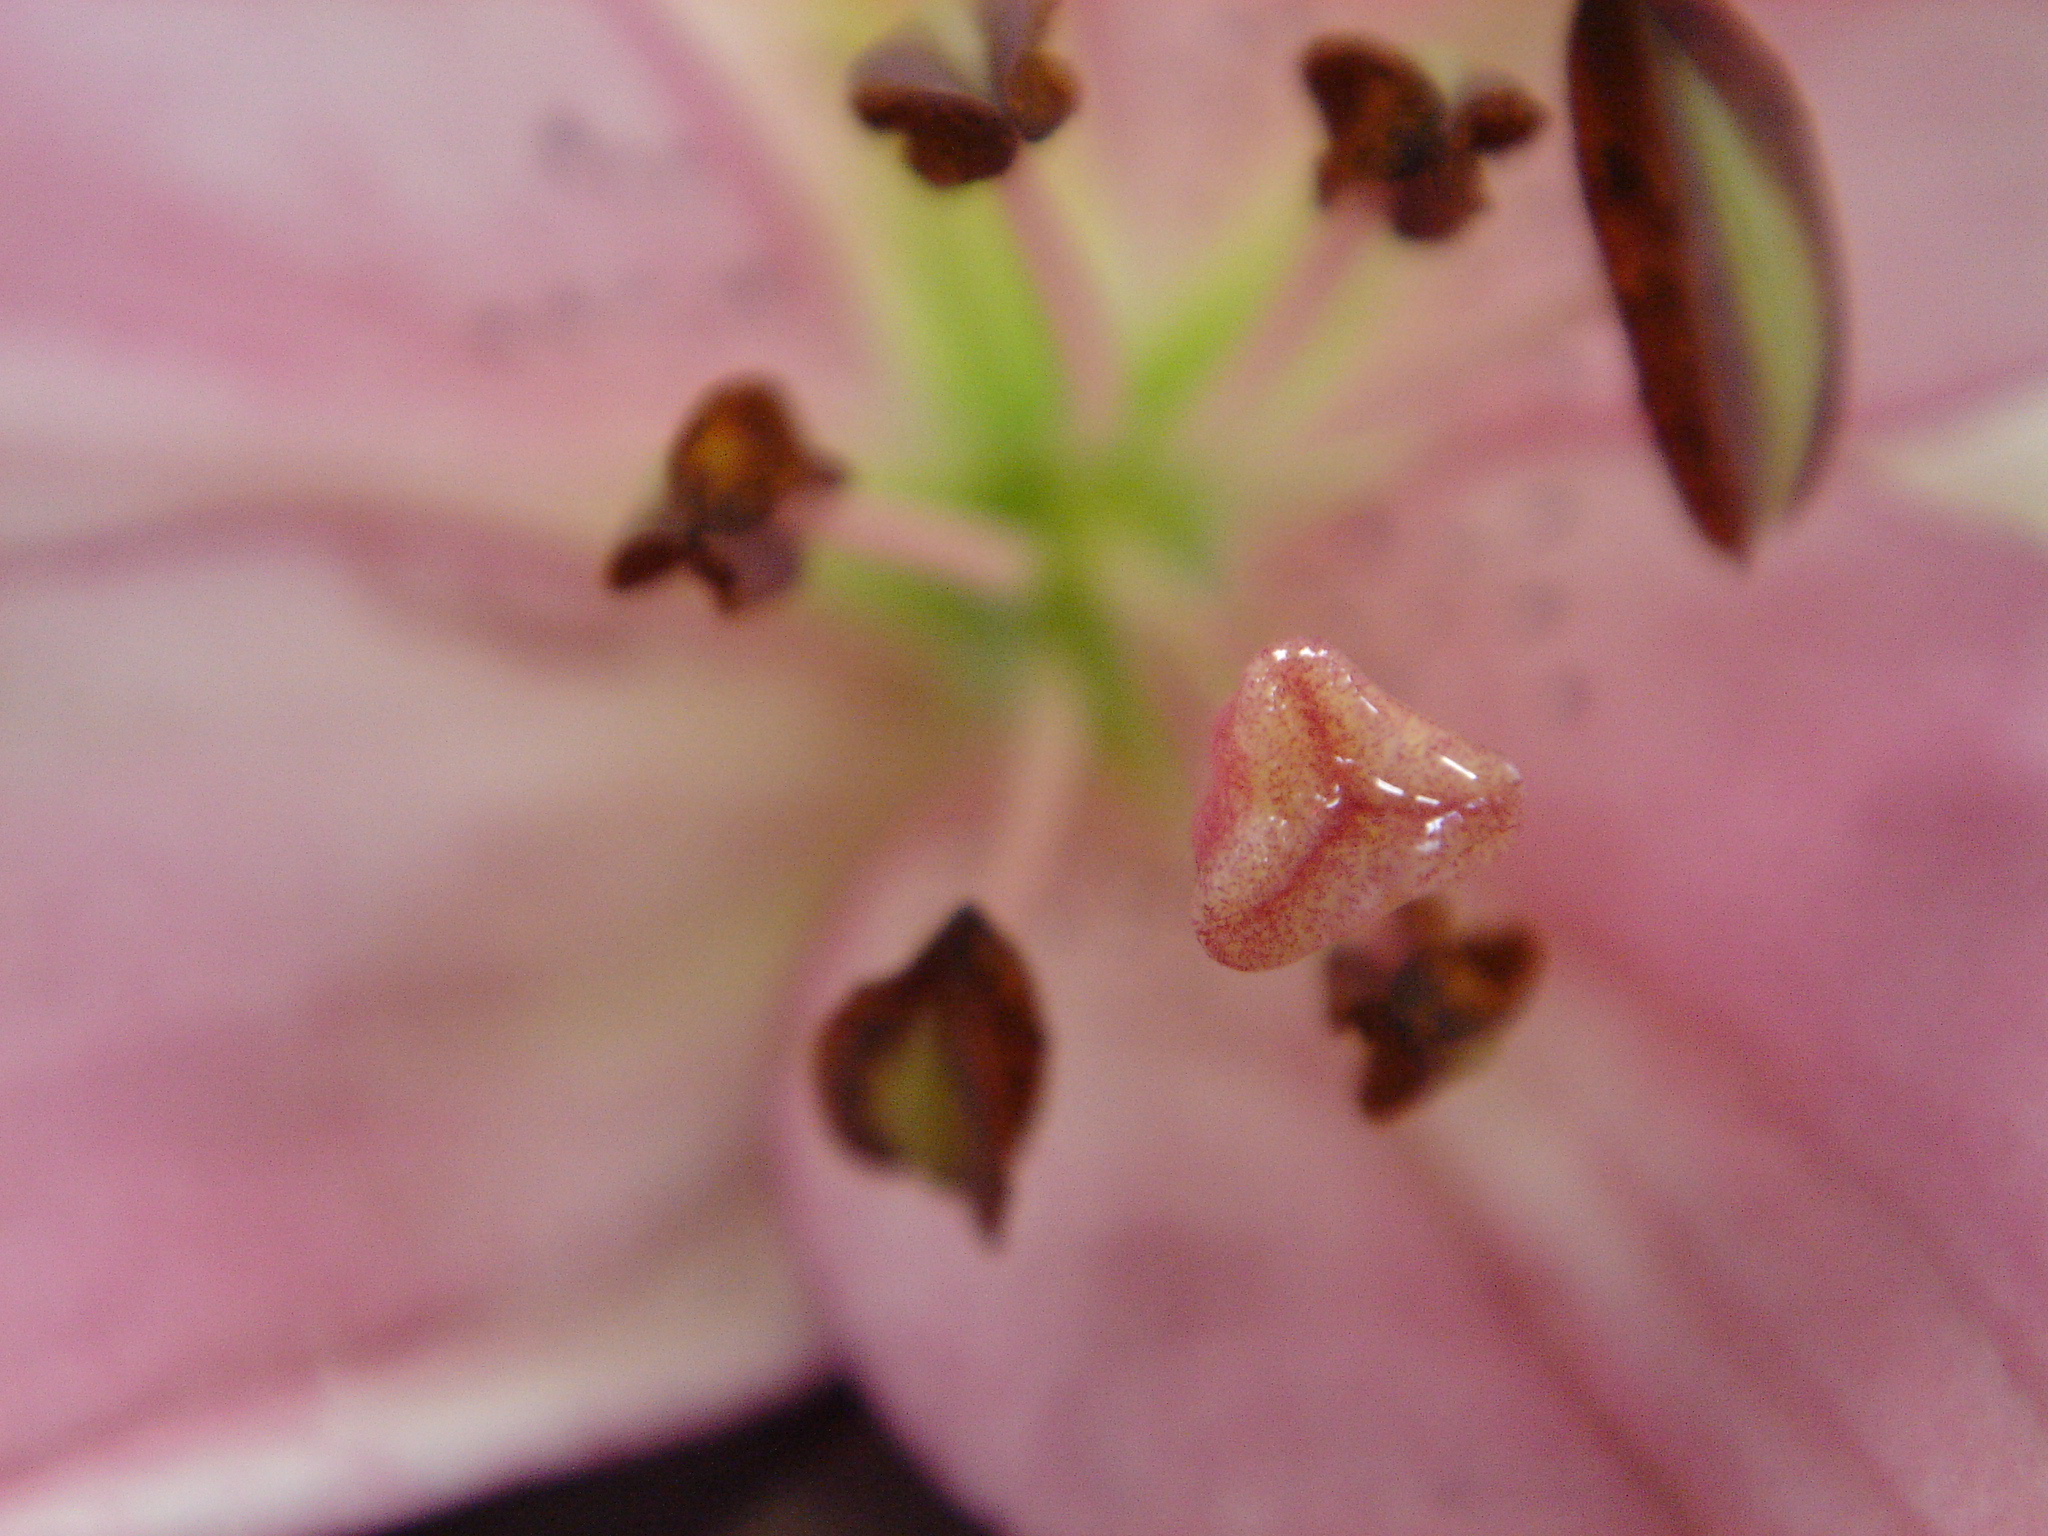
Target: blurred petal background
[{"x": 397, "y": 932}]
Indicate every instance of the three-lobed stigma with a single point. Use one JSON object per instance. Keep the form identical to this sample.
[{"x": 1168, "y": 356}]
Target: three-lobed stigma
[{"x": 1330, "y": 804}]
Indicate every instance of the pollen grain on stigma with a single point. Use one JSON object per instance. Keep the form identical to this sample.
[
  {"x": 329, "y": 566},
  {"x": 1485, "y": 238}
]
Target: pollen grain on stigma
[
  {"x": 739, "y": 478},
  {"x": 1428, "y": 998},
  {"x": 1396, "y": 139},
  {"x": 966, "y": 92}
]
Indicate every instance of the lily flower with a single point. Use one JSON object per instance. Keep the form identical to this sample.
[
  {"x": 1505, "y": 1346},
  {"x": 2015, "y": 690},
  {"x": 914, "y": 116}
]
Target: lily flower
[{"x": 424, "y": 967}]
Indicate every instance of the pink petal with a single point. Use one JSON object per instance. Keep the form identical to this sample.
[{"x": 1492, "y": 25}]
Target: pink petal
[
  {"x": 1923, "y": 113},
  {"x": 1740, "y": 1231},
  {"x": 1811, "y": 803},
  {"x": 501, "y": 245},
  {"x": 386, "y": 922}
]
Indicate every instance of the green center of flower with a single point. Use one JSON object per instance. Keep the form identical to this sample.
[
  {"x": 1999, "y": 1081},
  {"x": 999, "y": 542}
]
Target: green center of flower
[{"x": 1094, "y": 509}]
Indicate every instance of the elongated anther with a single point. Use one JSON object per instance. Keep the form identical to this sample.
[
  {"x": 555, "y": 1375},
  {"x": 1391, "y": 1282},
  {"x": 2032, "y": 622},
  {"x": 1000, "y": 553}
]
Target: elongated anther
[
  {"x": 1705, "y": 189},
  {"x": 738, "y": 473},
  {"x": 1329, "y": 804},
  {"x": 936, "y": 1069},
  {"x": 965, "y": 111}
]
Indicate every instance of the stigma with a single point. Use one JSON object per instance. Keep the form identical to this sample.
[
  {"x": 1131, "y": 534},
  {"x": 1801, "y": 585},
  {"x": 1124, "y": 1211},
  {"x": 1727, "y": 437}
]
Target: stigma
[{"x": 1329, "y": 804}]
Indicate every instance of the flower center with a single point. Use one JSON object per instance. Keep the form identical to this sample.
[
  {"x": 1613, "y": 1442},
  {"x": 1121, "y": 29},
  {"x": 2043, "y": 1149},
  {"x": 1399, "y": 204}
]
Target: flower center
[{"x": 1068, "y": 449}]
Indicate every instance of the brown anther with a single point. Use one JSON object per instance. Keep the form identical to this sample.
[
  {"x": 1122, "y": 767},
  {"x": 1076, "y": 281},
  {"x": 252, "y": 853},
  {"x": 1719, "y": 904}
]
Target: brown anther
[
  {"x": 937, "y": 1068},
  {"x": 1440, "y": 199},
  {"x": 1385, "y": 117},
  {"x": 738, "y": 470},
  {"x": 1429, "y": 1000},
  {"x": 1395, "y": 140},
  {"x": 965, "y": 120},
  {"x": 1498, "y": 116},
  {"x": 1706, "y": 191}
]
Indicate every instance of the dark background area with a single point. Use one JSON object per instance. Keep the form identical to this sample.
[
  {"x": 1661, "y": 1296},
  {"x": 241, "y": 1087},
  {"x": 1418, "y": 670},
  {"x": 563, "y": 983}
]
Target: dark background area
[{"x": 823, "y": 1467}]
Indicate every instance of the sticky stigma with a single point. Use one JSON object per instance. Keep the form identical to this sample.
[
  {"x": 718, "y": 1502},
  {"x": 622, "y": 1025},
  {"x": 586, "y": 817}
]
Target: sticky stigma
[{"x": 1329, "y": 804}]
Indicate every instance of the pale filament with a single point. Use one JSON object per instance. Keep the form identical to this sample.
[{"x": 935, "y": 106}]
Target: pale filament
[
  {"x": 972, "y": 555},
  {"x": 1293, "y": 316},
  {"x": 1071, "y": 294},
  {"x": 1047, "y": 765}
]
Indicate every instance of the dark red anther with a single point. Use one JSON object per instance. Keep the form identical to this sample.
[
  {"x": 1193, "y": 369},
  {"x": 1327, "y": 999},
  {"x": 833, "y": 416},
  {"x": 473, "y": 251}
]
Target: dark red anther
[
  {"x": 1705, "y": 188},
  {"x": 1497, "y": 116},
  {"x": 1429, "y": 1002},
  {"x": 1394, "y": 138},
  {"x": 1385, "y": 117},
  {"x": 737, "y": 472},
  {"x": 1437, "y": 201},
  {"x": 965, "y": 119},
  {"x": 937, "y": 1068}
]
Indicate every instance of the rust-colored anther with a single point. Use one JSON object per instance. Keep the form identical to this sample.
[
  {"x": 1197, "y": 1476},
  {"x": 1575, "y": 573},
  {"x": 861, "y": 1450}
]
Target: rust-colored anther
[
  {"x": 1497, "y": 116},
  {"x": 1397, "y": 141},
  {"x": 964, "y": 120},
  {"x": 1385, "y": 117},
  {"x": 1429, "y": 1001},
  {"x": 937, "y": 1068},
  {"x": 737, "y": 475},
  {"x": 1437, "y": 201},
  {"x": 1706, "y": 190}
]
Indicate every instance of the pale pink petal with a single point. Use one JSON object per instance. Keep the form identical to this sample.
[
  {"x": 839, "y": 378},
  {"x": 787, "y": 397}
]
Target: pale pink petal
[
  {"x": 387, "y": 923},
  {"x": 1740, "y": 1231},
  {"x": 1808, "y": 802},
  {"x": 1923, "y": 114},
  {"x": 498, "y": 246}
]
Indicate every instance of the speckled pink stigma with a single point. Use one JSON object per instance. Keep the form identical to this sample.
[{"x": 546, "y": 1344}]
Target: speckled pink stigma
[{"x": 1329, "y": 804}]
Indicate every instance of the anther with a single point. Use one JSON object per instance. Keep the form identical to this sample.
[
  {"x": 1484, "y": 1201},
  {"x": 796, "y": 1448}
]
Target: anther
[
  {"x": 1498, "y": 115},
  {"x": 964, "y": 113},
  {"x": 1329, "y": 804},
  {"x": 1705, "y": 189},
  {"x": 1395, "y": 139},
  {"x": 737, "y": 475},
  {"x": 1428, "y": 1001},
  {"x": 937, "y": 1068}
]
